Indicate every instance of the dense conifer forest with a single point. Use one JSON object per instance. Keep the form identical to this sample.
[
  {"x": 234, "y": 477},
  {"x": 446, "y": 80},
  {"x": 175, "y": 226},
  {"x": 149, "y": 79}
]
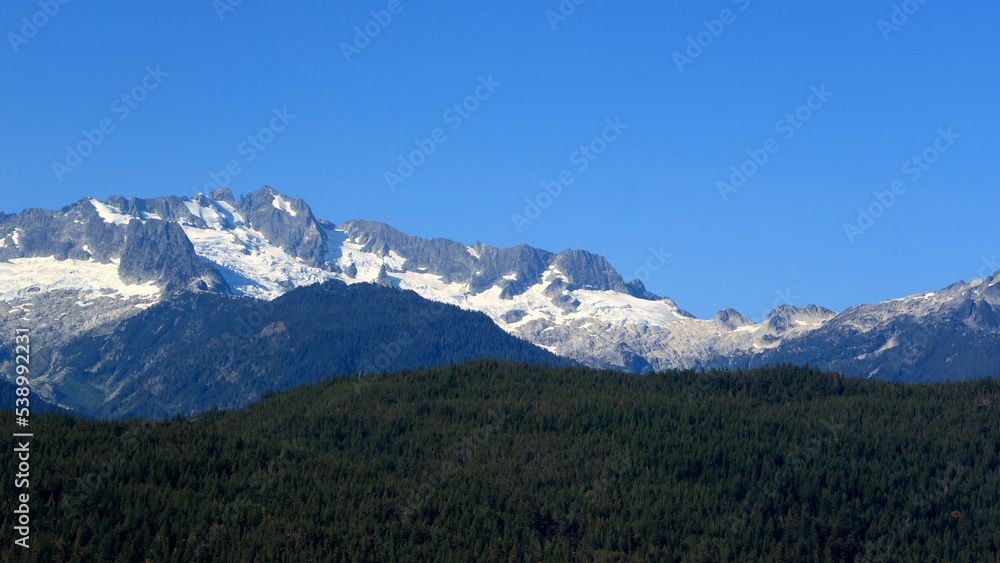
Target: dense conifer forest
[{"x": 497, "y": 461}]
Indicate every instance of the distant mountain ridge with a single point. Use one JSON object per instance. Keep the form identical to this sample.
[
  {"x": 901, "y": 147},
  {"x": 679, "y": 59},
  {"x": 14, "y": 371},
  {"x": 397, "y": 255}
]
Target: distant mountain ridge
[
  {"x": 933, "y": 336},
  {"x": 91, "y": 265},
  {"x": 197, "y": 351}
]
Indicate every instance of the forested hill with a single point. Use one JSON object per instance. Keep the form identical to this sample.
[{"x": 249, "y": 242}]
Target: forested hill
[
  {"x": 197, "y": 351},
  {"x": 495, "y": 461}
]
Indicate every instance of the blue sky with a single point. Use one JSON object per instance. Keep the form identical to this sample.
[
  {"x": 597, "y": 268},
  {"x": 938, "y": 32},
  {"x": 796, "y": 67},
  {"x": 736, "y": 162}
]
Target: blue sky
[{"x": 219, "y": 75}]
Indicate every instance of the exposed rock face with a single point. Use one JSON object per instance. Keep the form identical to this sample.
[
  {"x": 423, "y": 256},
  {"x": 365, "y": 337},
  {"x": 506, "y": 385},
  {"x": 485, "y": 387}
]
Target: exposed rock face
[
  {"x": 170, "y": 208},
  {"x": 636, "y": 288},
  {"x": 927, "y": 337},
  {"x": 287, "y": 222},
  {"x": 483, "y": 266},
  {"x": 159, "y": 251},
  {"x": 732, "y": 319},
  {"x": 383, "y": 278},
  {"x": 514, "y": 316},
  {"x": 223, "y": 195},
  {"x": 75, "y": 232},
  {"x": 143, "y": 237},
  {"x": 589, "y": 271}
]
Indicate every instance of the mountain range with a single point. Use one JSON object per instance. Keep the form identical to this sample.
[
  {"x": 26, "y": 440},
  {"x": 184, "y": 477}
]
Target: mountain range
[{"x": 93, "y": 272}]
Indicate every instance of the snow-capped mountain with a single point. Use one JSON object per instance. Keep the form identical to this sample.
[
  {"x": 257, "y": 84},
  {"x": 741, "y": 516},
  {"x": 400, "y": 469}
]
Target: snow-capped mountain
[
  {"x": 952, "y": 334},
  {"x": 92, "y": 264}
]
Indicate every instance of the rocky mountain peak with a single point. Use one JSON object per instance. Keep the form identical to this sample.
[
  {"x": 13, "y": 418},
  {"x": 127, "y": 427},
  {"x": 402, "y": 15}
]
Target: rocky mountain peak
[
  {"x": 158, "y": 251},
  {"x": 636, "y": 288},
  {"x": 287, "y": 222},
  {"x": 732, "y": 319},
  {"x": 223, "y": 194}
]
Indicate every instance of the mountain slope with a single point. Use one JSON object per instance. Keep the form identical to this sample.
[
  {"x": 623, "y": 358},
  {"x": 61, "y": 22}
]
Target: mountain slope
[
  {"x": 950, "y": 334},
  {"x": 197, "y": 351}
]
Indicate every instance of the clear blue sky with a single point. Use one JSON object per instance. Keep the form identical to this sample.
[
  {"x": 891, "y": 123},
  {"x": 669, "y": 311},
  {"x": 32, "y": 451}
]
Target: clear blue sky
[{"x": 655, "y": 185}]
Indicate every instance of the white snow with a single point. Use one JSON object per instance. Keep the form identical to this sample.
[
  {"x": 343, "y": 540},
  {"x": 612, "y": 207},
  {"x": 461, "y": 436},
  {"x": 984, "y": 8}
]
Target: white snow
[
  {"x": 608, "y": 306},
  {"x": 110, "y": 214},
  {"x": 113, "y": 215},
  {"x": 49, "y": 274},
  {"x": 279, "y": 203},
  {"x": 394, "y": 261},
  {"x": 216, "y": 217},
  {"x": 16, "y": 237},
  {"x": 892, "y": 343},
  {"x": 334, "y": 240},
  {"x": 472, "y": 250},
  {"x": 235, "y": 217},
  {"x": 249, "y": 263}
]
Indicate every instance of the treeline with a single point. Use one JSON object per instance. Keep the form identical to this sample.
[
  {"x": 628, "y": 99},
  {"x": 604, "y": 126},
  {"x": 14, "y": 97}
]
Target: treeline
[{"x": 496, "y": 461}]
